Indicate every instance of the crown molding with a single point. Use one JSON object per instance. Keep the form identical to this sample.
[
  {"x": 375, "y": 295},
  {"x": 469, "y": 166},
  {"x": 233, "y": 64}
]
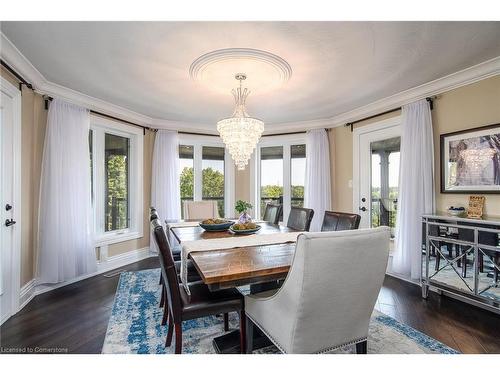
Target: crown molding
[{"x": 23, "y": 66}]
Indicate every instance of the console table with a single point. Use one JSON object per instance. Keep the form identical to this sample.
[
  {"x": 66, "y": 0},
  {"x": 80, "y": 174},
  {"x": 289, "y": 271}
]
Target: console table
[{"x": 461, "y": 258}]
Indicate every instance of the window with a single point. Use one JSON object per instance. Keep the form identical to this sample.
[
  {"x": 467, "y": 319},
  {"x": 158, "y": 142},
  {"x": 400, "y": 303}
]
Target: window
[
  {"x": 280, "y": 169},
  {"x": 186, "y": 160},
  {"x": 206, "y": 172},
  {"x": 297, "y": 174},
  {"x": 117, "y": 181},
  {"x": 271, "y": 176},
  {"x": 213, "y": 176}
]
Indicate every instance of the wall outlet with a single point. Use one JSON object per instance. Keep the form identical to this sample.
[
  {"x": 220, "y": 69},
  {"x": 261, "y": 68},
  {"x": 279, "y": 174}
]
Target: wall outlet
[{"x": 349, "y": 184}]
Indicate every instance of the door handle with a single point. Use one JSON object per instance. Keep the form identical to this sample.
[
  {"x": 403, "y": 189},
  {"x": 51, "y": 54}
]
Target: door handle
[
  {"x": 362, "y": 209},
  {"x": 9, "y": 222}
]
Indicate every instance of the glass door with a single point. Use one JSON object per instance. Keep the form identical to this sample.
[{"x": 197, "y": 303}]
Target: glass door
[{"x": 375, "y": 194}]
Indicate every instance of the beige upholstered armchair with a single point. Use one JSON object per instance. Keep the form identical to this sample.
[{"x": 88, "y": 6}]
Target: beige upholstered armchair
[
  {"x": 327, "y": 299},
  {"x": 200, "y": 210}
]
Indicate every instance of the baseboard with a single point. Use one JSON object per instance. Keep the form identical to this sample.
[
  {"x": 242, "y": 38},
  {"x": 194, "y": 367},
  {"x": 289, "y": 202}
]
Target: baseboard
[{"x": 30, "y": 289}]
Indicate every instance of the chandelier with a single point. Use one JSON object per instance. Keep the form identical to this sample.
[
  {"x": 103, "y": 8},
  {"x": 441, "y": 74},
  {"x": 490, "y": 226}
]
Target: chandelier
[{"x": 240, "y": 132}]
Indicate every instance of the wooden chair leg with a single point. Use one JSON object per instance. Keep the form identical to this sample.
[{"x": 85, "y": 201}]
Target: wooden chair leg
[
  {"x": 249, "y": 335},
  {"x": 165, "y": 309},
  {"x": 457, "y": 253},
  {"x": 162, "y": 299},
  {"x": 464, "y": 265},
  {"x": 362, "y": 347},
  {"x": 243, "y": 338},
  {"x": 161, "y": 279},
  {"x": 226, "y": 322},
  {"x": 170, "y": 331},
  {"x": 178, "y": 338},
  {"x": 481, "y": 262}
]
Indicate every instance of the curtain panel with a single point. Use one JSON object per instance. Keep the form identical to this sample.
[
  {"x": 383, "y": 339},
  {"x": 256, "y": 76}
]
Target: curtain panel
[
  {"x": 65, "y": 237},
  {"x": 318, "y": 193},
  {"x": 165, "y": 184},
  {"x": 416, "y": 186}
]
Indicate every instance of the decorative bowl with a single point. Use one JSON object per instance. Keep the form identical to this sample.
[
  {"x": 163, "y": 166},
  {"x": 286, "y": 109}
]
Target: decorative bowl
[
  {"x": 245, "y": 231},
  {"x": 456, "y": 211},
  {"x": 217, "y": 227}
]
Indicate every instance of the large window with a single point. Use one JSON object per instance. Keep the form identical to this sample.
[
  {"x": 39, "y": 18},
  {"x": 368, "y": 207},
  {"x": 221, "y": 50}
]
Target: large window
[
  {"x": 116, "y": 166},
  {"x": 213, "y": 176},
  {"x": 271, "y": 176},
  {"x": 280, "y": 173},
  {"x": 206, "y": 173},
  {"x": 186, "y": 159},
  {"x": 297, "y": 174}
]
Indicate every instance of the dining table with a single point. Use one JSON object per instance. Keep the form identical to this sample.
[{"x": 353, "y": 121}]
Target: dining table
[{"x": 259, "y": 267}]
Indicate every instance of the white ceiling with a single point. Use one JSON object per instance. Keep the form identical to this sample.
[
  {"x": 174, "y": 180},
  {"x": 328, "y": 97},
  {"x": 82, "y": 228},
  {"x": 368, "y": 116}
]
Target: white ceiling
[{"x": 337, "y": 66}]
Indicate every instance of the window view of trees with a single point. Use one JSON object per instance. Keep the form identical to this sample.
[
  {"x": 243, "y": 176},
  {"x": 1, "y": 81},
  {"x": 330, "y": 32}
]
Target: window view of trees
[
  {"x": 271, "y": 175},
  {"x": 116, "y": 182},
  {"x": 212, "y": 179}
]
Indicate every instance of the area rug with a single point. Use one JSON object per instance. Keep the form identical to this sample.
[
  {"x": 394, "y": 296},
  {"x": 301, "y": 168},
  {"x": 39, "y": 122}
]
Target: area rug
[{"x": 134, "y": 326}]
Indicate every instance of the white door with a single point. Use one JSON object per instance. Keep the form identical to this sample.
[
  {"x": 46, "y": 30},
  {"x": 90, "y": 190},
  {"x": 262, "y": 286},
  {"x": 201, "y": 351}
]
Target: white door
[
  {"x": 376, "y": 173},
  {"x": 9, "y": 199}
]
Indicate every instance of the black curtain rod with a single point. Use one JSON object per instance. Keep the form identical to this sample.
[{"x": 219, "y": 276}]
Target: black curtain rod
[
  {"x": 351, "y": 124},
  {"x": 17, "y": 75}
]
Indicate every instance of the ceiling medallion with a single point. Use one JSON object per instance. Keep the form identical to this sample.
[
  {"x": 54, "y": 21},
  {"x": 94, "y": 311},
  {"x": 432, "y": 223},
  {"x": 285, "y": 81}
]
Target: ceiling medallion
[
  {"x": 240, "y": 132},
  {"x": 268, "y": 71}
]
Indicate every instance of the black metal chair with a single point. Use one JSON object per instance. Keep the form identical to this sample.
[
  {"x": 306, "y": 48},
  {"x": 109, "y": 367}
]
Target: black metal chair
[
  {"x": 201, "y": 302},
  {"x": 300, "y": 218},
  {"x": 335, "y": 221},
  {"x": 273, "y": 213}
]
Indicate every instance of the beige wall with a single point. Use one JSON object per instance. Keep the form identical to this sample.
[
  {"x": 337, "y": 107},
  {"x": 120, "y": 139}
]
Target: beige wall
[
  {"x": 466, "y": 107},
  {"x": 242, "y": 184}
]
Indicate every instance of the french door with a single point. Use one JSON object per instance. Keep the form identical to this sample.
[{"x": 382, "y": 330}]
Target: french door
[
  {"x": 9, "y": 199},
  {"x": 376, "y": 173}
]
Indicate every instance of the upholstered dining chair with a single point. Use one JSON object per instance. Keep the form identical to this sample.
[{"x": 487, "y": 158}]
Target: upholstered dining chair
[
  {"x": 272, "y": 213},
  {"x": 200, "y": 210},
  {"x": 300, "y": 218},
  {"x": 201, "y": 302},
  {"x": 335, "y": 221},
  {"x": 307, "y": 315}
]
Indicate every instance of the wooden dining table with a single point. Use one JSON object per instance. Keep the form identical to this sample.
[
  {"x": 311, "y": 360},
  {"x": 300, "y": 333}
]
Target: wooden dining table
[
  {"x": 257, "y": 266},
  {"x": 228, "y": 268}
]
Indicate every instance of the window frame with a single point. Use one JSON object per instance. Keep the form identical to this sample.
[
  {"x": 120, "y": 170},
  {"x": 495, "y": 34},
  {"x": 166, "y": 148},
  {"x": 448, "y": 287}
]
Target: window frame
[
  {"x": 198, "y": 141},
  {"x": 255, "y": 169},
  {"x": 99, "y": 127}
]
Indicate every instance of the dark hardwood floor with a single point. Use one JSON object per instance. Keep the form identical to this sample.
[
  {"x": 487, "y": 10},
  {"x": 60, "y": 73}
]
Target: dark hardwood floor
[{"x": 74, "y": 318}]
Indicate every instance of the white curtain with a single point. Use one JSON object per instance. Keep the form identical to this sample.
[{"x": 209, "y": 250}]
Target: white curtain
[
  {"x": 165, "y": 185},
  {"x": 416, "y": 186},
  {"x": 65, "y": 238},
  {"x": 318, "y": 193}
]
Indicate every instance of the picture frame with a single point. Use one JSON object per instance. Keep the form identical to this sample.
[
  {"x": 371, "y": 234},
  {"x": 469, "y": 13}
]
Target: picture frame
[{"x": 470, "y": 161}]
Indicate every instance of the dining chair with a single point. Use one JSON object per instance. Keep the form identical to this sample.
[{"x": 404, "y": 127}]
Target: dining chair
[
  {"x": 272, "y": 213},
  {"x": 307, "y": 314},
  {"x": 192, "y": 275},
  {"x": 200, "y": 303},
  {"x": 335, "y": 221},
  {"x": 176, "y": 250},
  {"x": 300, "y": 218},
  {"x": 200, "y": 210}
]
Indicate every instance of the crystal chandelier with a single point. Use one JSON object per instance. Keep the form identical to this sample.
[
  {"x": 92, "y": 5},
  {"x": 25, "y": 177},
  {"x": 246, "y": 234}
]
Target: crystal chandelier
[{"x": 240, "y": 132}]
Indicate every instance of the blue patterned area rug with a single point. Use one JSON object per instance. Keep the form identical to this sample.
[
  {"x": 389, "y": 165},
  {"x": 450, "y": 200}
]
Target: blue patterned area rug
[{"x": 134, "y": 326}]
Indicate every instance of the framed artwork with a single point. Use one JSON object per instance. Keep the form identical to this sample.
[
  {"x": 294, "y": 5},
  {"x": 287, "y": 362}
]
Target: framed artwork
[{"x": 470, "y": 161}]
